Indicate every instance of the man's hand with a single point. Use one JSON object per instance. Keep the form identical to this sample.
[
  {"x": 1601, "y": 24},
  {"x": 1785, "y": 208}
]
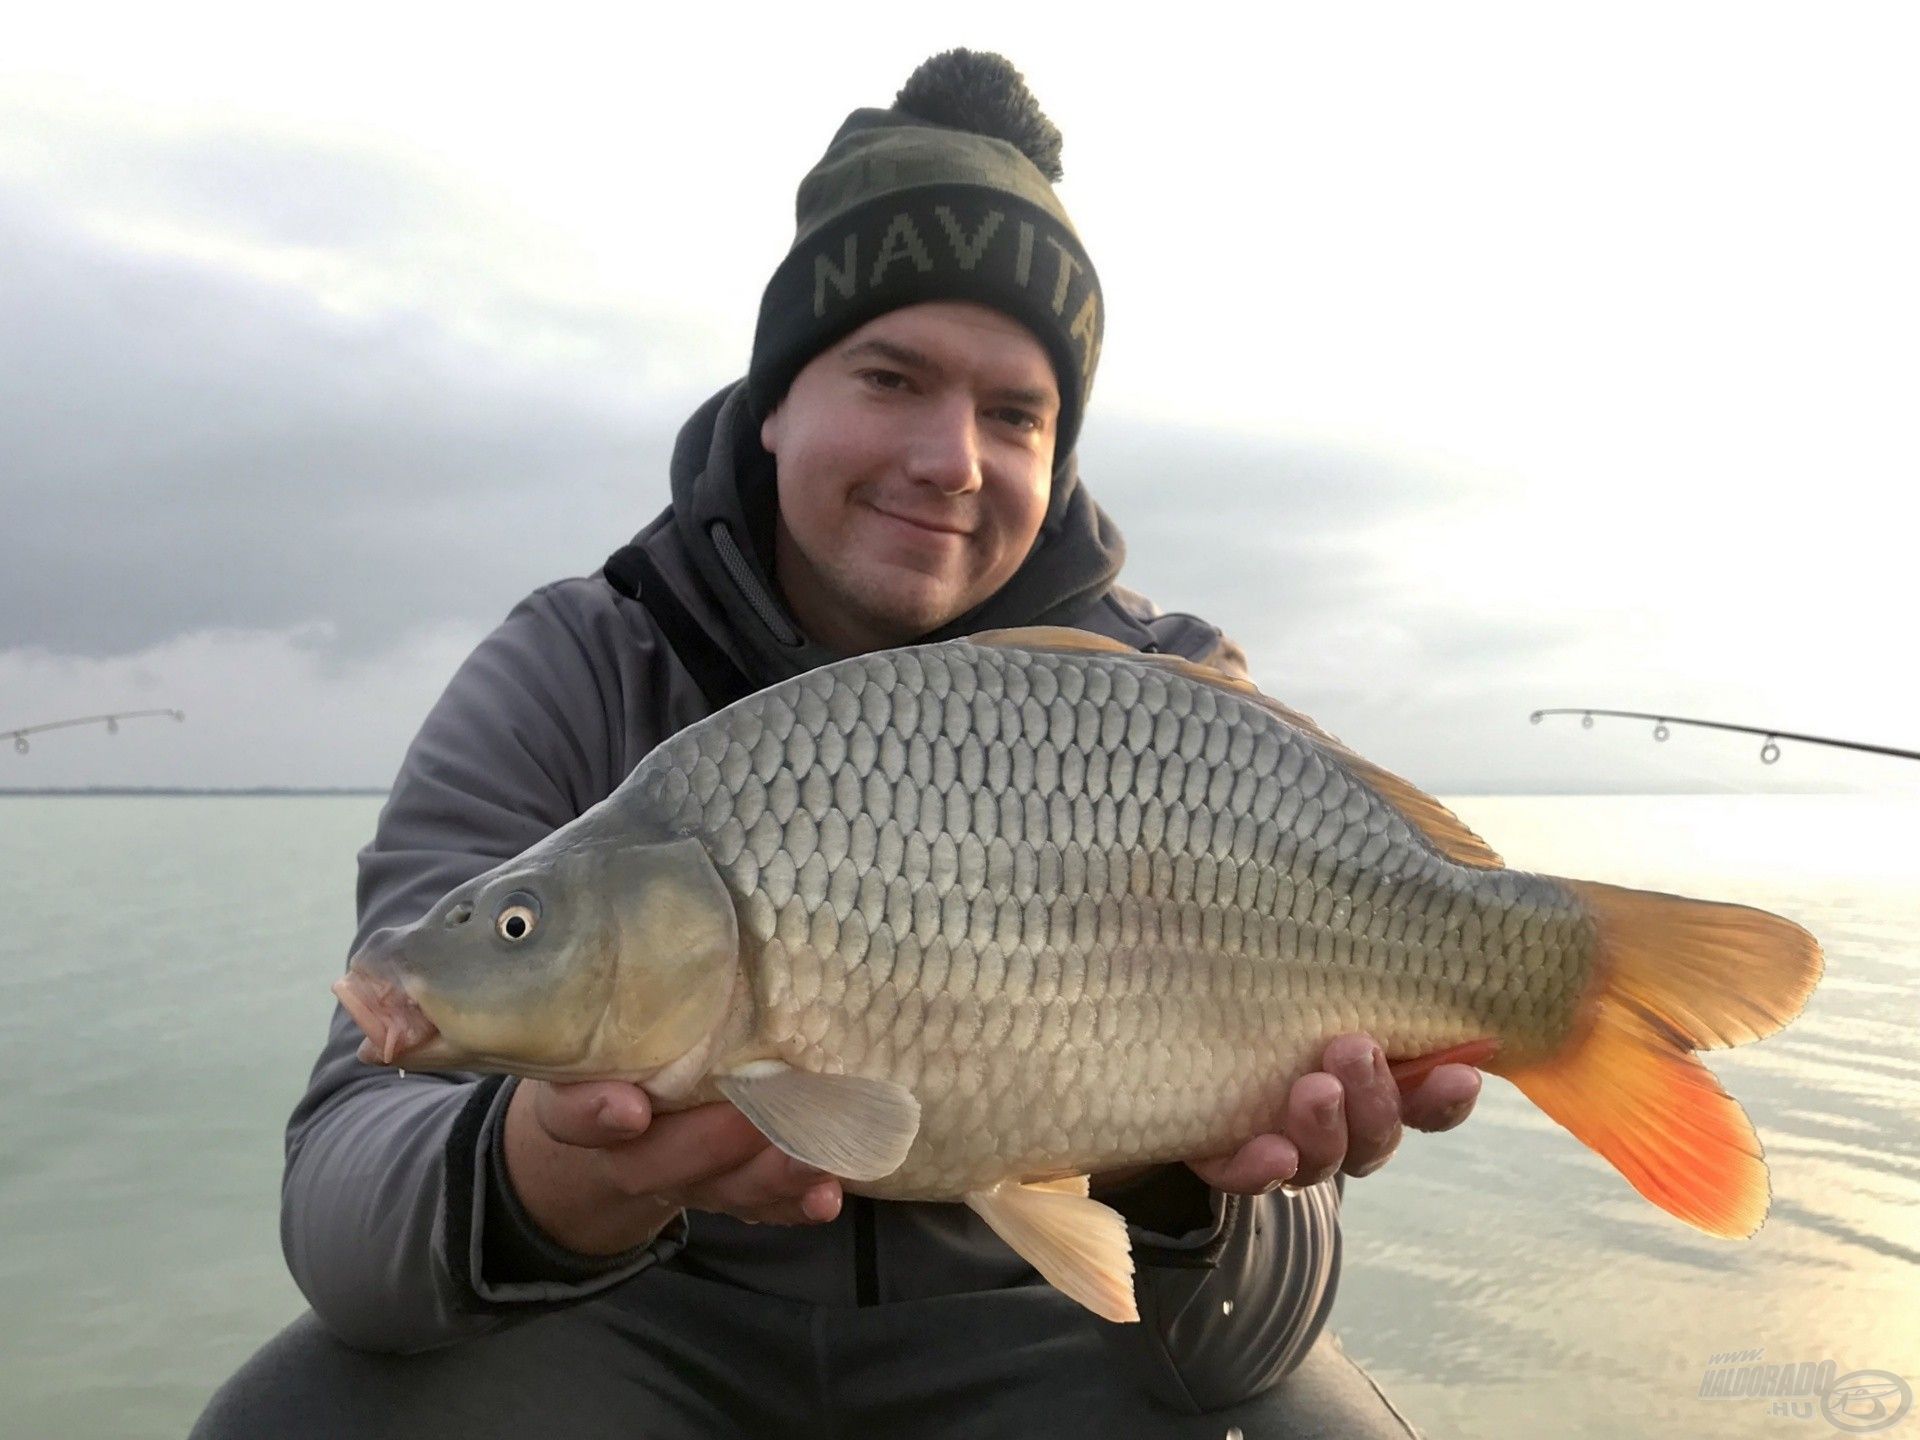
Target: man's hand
[
  {"x": 1345, "y": 1116},
  {"x": 600, "y": 1173}
]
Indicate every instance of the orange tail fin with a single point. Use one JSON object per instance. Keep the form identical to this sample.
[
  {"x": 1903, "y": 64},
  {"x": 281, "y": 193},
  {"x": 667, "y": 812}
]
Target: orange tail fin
[{"x": 1673, "y": 976}]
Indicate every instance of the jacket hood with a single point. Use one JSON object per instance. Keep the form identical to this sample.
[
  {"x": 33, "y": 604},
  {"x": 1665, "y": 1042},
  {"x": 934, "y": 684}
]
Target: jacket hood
[{"x": 722, "y": 519}]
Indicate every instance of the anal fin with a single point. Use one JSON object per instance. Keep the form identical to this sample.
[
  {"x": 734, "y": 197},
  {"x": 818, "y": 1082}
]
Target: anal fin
[
  {"x": 1077, "y": 1244},
  {"x": 1408, "y": 1073}
]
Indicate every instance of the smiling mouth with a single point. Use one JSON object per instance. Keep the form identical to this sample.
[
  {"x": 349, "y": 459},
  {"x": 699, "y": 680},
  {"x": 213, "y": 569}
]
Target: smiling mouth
[{"x": 929, "y": 526}]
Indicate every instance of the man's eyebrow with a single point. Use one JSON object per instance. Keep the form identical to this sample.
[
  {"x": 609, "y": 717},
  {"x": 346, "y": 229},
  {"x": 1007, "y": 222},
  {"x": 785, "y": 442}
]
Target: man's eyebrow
[{"x": 919, "y": 360}]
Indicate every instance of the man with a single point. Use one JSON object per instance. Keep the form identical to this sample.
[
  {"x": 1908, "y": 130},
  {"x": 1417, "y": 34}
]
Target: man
[{"x": 897, "y": 466}]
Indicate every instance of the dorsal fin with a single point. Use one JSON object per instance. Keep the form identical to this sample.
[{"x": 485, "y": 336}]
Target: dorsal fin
[
  {"x": 1052, "y": 637},
  {"x": 1449, "y": 834}
]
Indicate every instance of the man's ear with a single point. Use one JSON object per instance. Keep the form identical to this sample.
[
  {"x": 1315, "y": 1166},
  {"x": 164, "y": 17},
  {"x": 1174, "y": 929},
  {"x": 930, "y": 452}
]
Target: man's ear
[{"x": 770, "y": 428}]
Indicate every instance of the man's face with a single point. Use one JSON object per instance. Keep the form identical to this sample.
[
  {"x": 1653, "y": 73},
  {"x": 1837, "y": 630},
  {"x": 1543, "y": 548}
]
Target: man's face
[{"x": 915, "y": 461}]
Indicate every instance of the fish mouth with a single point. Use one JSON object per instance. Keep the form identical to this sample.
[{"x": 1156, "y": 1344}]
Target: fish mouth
[{"x": 397, "y": 1029}]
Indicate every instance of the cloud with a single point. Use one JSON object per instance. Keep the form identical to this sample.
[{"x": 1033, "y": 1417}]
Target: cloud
[
  {"x": 191, "y": 448},
  {"x": 216, "y": 432},
  {"x": 238, "y": 486},
  {"x": 300, "y": 413},
  {"x": 1290, "y": 537}
]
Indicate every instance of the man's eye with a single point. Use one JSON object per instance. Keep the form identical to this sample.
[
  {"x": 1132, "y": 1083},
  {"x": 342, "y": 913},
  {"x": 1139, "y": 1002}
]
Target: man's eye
[
  {"x": 888, "y": 375},
  {"x": 1025, "y": 419}
]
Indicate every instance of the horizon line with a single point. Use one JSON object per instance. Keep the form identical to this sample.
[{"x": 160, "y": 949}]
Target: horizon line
[{"x": 372, "y": 790}]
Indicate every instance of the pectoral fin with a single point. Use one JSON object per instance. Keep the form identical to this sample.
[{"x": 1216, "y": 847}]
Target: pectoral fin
[
  {"x": 1079, "y": 1245},
  {"x": 848, "y": 1126}
]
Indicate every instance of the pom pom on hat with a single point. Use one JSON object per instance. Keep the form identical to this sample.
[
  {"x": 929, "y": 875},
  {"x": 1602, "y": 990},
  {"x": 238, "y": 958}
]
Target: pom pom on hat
[{"x": 979, "y": 91}]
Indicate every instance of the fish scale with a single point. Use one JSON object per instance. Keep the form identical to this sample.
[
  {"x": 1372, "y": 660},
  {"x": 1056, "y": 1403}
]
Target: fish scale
[{"x": 1091, "y": 914}]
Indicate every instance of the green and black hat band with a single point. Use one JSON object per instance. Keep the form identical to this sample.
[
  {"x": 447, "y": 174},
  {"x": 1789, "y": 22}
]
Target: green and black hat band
[{"x": 934, "y": 242}]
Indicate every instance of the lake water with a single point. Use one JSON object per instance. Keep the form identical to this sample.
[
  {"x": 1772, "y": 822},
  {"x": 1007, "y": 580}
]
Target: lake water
[{"x": 163, "y": 986}]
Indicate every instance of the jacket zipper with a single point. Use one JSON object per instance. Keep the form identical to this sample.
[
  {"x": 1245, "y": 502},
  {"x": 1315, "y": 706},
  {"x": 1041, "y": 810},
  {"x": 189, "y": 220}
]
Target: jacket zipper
[{"x": 866, "y": 1256}]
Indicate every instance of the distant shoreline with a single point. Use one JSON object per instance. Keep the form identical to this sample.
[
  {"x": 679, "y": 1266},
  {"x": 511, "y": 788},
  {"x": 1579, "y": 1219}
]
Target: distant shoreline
[{"x": 187, "y": 790}]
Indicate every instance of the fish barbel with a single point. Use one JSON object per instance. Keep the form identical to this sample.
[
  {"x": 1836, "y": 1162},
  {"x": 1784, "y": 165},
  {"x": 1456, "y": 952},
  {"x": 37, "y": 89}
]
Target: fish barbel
[{"x": 971, "y": 921}]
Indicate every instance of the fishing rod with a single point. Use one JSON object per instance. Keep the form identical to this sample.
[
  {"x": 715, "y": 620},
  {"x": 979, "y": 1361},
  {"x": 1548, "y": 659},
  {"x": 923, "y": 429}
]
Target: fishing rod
[
  {"x": 1769, "y": 752},
  {"x": 112, "y": 723}
]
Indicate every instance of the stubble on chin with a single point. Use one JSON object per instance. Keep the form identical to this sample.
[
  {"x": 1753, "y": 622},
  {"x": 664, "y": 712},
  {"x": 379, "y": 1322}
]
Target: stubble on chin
[{"x": 897, "y": 607}]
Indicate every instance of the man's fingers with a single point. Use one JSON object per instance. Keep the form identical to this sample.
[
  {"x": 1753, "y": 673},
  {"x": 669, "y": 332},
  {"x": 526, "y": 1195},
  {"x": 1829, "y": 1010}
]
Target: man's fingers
[
  {"x": 592, "y": 1113},
  {"x": 683, "y": 1150},
  {"x": 1443, "y": 1099},
  {"x": 707, "y": 1158},
  {"x": 770, "y": 1188},
  {"x": 818, "y": 1204},
  {"x": 1255, "y": 1168},
  {"x": 1371, "y": 1103},
  {"x": 1346, "y": 1116},
  {"x": 1317, "y": 1125},
  {"x": 822, "y": 1203}
]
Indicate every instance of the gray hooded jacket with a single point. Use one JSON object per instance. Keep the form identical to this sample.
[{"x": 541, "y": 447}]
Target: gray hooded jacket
[{"x": 396, "y": 1219}]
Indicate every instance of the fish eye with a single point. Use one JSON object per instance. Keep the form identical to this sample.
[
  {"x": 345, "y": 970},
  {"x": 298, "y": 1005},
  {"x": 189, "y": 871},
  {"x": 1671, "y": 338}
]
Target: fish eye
[{"x": 519, "y": 913}]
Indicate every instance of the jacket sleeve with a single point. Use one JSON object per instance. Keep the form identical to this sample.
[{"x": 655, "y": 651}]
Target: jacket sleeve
[
  {"x": 1233, "y": 1289},
  {"x": 392, "y": 1217}
]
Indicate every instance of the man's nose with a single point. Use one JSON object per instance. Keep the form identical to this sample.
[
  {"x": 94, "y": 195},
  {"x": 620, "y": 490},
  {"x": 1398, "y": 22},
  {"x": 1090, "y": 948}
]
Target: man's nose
[{"x": 946, "y": 452}]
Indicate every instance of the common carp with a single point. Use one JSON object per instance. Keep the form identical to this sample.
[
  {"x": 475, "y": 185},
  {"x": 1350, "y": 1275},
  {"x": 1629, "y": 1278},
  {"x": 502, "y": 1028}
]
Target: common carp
[{"x": 970, "y": 921}]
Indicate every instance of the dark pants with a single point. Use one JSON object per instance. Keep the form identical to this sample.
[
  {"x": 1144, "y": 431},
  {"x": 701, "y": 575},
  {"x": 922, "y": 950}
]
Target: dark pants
[{"x": 710, "y": 1360}]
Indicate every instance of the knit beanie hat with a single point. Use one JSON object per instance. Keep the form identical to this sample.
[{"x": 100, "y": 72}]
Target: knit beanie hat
[{"x": 947, "y": 195}]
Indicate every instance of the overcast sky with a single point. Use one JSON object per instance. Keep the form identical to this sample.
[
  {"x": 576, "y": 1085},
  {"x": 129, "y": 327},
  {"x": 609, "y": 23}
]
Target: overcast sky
[{"x": 1460, "y": 360}]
